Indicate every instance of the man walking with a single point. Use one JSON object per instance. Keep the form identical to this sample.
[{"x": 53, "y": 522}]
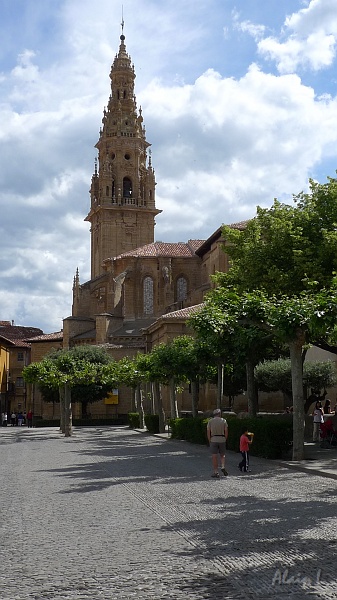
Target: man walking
[{"x": 217, "y": 433}]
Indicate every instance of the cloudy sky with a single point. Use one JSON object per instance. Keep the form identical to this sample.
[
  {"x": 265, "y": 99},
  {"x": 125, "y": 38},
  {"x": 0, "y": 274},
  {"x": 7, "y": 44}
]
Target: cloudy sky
[{"x": 239, "y": 104}]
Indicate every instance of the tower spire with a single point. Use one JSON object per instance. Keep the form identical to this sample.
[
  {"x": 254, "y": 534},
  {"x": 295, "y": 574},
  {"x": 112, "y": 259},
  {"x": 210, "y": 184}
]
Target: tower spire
[{"x": 123, "y": 209}]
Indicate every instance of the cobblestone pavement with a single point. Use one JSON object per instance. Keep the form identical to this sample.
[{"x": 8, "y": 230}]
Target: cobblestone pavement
[{"x": 112, "y": 514}]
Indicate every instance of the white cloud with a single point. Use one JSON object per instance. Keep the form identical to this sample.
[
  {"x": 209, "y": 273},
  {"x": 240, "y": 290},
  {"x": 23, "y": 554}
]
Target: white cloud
[
  {"x": 220, "y": 144},
  {"x": 223, "y": 144},
  {"x": 308, "y": 40},
  {"x": 246, "y": 26}
]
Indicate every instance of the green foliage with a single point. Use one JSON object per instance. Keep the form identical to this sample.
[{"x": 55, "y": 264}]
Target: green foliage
[
  {"x": 133, "y": 420},
  {"x": 89, "y": 370},
  {"x": 272, "y": 436},
  {"x": 83, "y": 365},
  {"x": 275, "y": 375},
  {"x": 320, "y": 374},
  {"x": 189, "y": 429},
  {"x": 152, "y": 423},
  {"x": 287, "y": 247},
  {"x": 272, "y": 439}
]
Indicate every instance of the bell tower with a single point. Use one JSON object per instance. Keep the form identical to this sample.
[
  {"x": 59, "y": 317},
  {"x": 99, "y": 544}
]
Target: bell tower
[{"x": 122, "y": 212}]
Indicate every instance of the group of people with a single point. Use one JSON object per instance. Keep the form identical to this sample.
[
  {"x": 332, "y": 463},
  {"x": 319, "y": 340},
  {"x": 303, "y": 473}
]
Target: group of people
[
  {"x": 17, "y": 419},
  {"x": 318, "y": 417},
  {"x": 217, "y": 434}
]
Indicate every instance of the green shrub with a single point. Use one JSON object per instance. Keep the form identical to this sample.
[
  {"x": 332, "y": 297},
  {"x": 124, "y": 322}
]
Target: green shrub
[
  {"x": 272, "y": 439},
  {"x": 133, "y": 420},
  {"x": 46, "y": 422},
  {"x": 189, "y": 429},
  {"x": 152, "y": 423}
]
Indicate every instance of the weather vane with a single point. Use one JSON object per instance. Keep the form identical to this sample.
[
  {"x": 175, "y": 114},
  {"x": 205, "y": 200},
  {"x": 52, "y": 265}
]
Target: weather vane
[{"x": 122, "y": 23}]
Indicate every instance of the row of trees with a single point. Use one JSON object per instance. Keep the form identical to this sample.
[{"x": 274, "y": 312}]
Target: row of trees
[
  {"x": 278, "y": 298},
  {"x": 281, "y": 290}
]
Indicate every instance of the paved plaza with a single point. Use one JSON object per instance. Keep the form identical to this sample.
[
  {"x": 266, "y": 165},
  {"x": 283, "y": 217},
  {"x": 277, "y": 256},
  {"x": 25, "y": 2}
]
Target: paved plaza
[{"x": 112, "y": 514}]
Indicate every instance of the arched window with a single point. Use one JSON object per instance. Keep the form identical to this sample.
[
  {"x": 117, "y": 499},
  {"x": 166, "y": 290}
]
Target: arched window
[
  {"x": 181, "y": 290},
  {"x": 148, "y": 295},
  {"x": 127, "y": 188}
]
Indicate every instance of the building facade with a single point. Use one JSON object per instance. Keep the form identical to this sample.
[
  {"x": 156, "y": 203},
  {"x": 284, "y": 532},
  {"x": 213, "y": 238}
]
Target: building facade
[
  {"x": 140, "y": 291},
  {"x": 135, "y": 280},
  {"x": 15, "y": 354}
]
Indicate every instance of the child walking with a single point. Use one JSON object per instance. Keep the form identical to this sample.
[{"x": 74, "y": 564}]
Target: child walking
[{"x": 245, "y": 440}]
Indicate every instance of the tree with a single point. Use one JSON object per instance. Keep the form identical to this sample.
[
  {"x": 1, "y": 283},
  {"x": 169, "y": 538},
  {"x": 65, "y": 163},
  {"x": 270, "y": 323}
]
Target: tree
[
  {"x": 295, "y": 321},
  {"x": 66, "y": 369},
  {"x": 286, "y": 248},
  {"x": 81, "y": 394},
  {"x": 233, "y": 345},
  {"x": 133, "y": 372},
  {"x": 275, "y": 375},
  {"x": 286, "y": 259}
]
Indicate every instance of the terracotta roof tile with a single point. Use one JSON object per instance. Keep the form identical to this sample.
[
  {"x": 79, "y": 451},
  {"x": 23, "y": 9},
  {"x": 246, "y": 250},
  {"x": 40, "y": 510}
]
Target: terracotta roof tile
[
  {"x": 182, "y": 313},
  {"x": 48, "y": 337},
  {"x": 16, "y": 342},
  {"x": 16, "y": 332},
  {"x": 173, "y": 250}
]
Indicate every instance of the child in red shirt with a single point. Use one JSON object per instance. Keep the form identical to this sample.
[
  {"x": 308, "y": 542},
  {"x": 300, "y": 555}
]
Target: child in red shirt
[{"x": 245, "y": 440}]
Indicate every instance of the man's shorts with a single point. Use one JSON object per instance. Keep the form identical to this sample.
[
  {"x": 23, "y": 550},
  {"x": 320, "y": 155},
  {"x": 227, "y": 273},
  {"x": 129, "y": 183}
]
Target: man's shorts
[{"x": 217, "y": 447}]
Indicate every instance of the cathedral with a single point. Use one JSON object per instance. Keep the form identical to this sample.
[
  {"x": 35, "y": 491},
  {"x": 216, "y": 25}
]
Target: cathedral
[{"x": 141, "y": 291}]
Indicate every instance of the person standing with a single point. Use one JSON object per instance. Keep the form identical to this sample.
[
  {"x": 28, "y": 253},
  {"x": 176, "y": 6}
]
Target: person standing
[
  {"x": 245, "y": 440},
  {"x": 30, "y": 418},
  {"x": 13, "y": 418},
  {"x": 318, "y": 416},
  {"x": 20, "y": 419},
  {"x": 217, "y": 433},
  {"x": 327, "y": 407}
]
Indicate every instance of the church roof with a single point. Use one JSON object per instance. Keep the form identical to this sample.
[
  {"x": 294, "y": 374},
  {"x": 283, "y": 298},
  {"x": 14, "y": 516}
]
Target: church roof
[
  {"x": 168, "y": 249},
  {"x": 48, "y": 337},
  {"x": 16, "y": 332},
  {"x": 16, "y": 342},
  {"x": 17, "y": 335},
  {"x": 177, "y": 315},
  {"x": 130, "y": 329},
  {"x": 182, "y": 313}
]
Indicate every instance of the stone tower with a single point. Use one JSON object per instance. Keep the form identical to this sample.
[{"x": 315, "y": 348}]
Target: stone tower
[{"x": 122, "y": 212}]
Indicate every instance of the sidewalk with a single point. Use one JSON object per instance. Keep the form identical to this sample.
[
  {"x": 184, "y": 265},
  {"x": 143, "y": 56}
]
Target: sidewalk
[
  {"x": 317, "y": 461},
  {"x": 117, "y": 514}
]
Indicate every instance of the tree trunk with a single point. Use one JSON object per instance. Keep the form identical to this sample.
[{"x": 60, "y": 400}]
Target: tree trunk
[
  {"x": 220, "y": 386},
  {"x": 298, "y": 403},
  {"x": 159, "y": 406},
  {"x": 139, "y": 405},
  {"x": 62, "y": 405},
  {"x": 251, "y": 389},
  {"x": 68, "y": 415},
  {"x": 173, "y": 399},
  {"x": 195, "y": 387}
]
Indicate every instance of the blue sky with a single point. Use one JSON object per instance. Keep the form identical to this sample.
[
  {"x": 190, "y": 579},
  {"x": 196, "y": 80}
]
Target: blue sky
[{"x": 239, "y": 103}]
